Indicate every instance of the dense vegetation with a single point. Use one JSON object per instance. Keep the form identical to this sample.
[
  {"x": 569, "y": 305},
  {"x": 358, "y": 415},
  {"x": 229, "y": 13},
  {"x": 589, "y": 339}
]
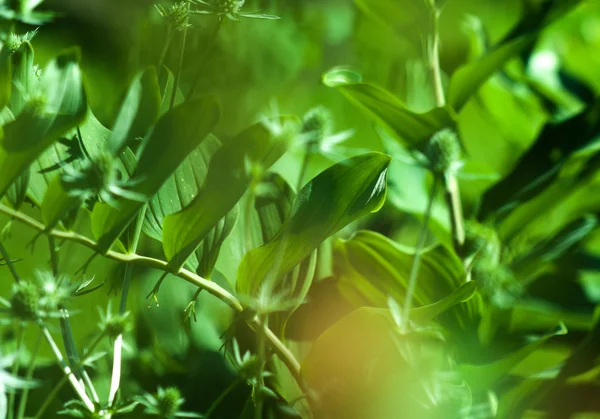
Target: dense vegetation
[{"x": 299, "y": 209}]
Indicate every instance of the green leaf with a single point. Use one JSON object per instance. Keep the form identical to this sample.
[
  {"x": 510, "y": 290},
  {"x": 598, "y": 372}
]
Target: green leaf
[
  {"x": 425, "y": 314},
  {"x": 139, "y": 111},
  {"x": 47, "y": 166},
  {"x": 482, "y": 377},
  {"x": 18, "y": 190},
  {"x": 183, "y": 232},
  {"x": 181, "y": 187},
  {"x": 411, "y": 129},
  {"x": 42, "y": 123},
  {"x": 341, "y": 194},
  {"x": 370, "y": 268},
  {"x": 177, "y": 193},
  {"x": 175, "y": 136},
  {"x": 5, "y": 76},
  {"x": 23, "y": 77},
  {"x": 469, "y": 78},
  {"x": 361, "y": 367}
]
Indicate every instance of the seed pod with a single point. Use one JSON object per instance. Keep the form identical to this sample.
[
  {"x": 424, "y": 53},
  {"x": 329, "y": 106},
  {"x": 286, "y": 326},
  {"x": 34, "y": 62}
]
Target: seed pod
[{"x": 169, "y": 401}]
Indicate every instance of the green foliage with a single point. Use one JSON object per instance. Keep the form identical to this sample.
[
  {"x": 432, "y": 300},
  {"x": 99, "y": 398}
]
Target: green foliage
[{"x": 441, "y": 262}]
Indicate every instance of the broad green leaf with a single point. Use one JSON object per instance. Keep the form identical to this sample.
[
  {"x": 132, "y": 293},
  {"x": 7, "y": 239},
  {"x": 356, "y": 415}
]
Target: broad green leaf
[
  {"x": 177, "y": 193},
  {"x": 370, "y": 268},
  {"x": 183, "y": 232},
  {"x": 341, "y": 194},
  {"x": 57, "y": 203},
  {"x": 61, "y": 107},
  {"x": 139, "y": 111},
  {"x": 482, "y": 377},
  {"x": 5, "y": 76},
  {"x": 181, "y": 188},
  {"x": 469, "y": 78},
  {"x": 18, "y": 190},
  {"x": 361, "y": 367},
  {"x": 175, "y": 136},
  {"x": 412, "y": 129},
  {"x": 166, "y": 82},
  {"x": 23, "y": 77},
  {"x": 425, "y": 314}
]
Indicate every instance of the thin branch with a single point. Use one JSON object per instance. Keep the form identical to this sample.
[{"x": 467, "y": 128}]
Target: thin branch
[{"x": 434, "y": 56}]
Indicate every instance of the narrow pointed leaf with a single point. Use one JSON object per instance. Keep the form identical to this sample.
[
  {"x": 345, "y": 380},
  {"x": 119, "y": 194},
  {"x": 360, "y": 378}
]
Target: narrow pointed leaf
[
  {"x": 341, "y": 194},
  {"x": 175, "y": 136},
  {"x": 410, "y": 128},
  {"x": 138, "y": 113},
  {"x": 226, "y": 182}
]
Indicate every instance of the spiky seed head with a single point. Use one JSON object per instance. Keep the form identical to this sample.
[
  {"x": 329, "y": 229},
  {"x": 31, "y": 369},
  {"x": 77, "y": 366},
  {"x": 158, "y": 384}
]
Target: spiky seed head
[
  {"x": 443, "y": 150},
  {"x": 169, "y": 401},
  {"x": 25, "y": 301},
  {"x": 317, "y": 123},
  {"x": 13, "y": 42}
]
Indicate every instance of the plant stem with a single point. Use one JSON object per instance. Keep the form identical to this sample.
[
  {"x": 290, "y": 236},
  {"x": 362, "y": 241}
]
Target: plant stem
[
  {"x": 258, "y": 389},
  {"x": 209, "y": 47},
  {"x": 115, "y": 380},
  {"x": 414, "y": 271},
  {"x": 286, "y": 356},
  {"x": 456, "y": 214},
  {"x": 65, "y": 368},
  {"x": 180, "y": 65},
  {"x": 222, "y": 396},
  {"x": 28, "y": 377},
  {"x": 9, "y": 263},
  {"x": 434, "y": 56},
  {"x": 67, "y": 331},
  {"x": 163, "y": 53},
  {"x": 15, "y": 369}
]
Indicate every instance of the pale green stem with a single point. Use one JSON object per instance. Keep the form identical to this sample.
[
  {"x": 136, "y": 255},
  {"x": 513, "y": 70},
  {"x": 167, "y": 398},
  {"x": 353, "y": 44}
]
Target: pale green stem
[
  {"x": 28, "y": 377},
  {"x": 115, "y": 380},
  {"x": 66, "y": 369},
  {"x": 414, "y": 271},
  {"x": 435, "y": 57},
  {"x": 180, "y": 66},
  {"x": 15, "y": 369},
  {"x": 258, "y": 390}
]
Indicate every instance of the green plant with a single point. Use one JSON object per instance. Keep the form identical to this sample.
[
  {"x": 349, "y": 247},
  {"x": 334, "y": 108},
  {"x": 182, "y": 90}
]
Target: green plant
[{"x": 428, "y": 267}]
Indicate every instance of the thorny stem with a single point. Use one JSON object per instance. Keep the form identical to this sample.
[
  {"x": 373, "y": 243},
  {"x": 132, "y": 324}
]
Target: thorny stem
[
  {"x": 28, "y": 377},
  {"x": 209, "y": 47},
  {"x": 434, "y": 56},
  {"x": 286, "y": 356},
  {"x": 414, "y": 271},
  {"x": 180, "y": 66}
]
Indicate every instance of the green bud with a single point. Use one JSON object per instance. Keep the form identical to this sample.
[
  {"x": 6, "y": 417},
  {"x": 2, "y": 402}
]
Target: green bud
[
  {"x": 169, "y": 401},
  {"x": 443, "y": 151},
  {"x": 13, "y": 42},
  {"x": 115, "y": 325},
  {"x": 317, "y": 124},
  {"x": 228, "y": 6},
  {"x": 175, "y": 15},
  {"x": 25, "y": 301}
]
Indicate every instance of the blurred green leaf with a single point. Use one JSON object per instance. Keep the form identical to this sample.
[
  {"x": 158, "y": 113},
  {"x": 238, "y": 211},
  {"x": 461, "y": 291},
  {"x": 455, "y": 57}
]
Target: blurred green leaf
[
  {"x": 62, "y": 106},
  {"x": 371, "y": 268},
  {"x": 183, "y": 232},
  {"x": 411, "y": 129},
  {"x": 175, "y": 136},
  {"x": 484, "y": 377},
  {"x": 139, "y": 111},
  {"x": 17, "y": 192},
  {"x": 23, "y": 77},
  {"x": 5, "y": 76},
  {"x": 341, "y": 194}
]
